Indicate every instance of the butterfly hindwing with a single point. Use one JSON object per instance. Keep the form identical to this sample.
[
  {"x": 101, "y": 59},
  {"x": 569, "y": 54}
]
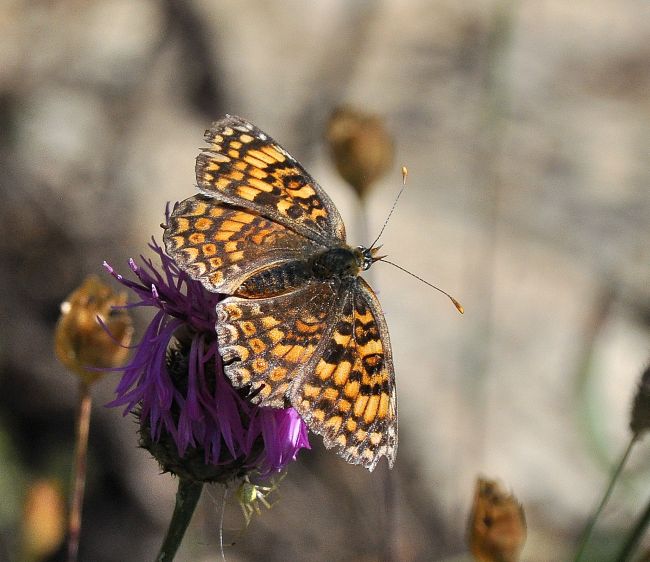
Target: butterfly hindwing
[
  {"x": 348, "y": 391},
  {"x": 244, "y": 166},
  {"x": 265, "y": 343}
]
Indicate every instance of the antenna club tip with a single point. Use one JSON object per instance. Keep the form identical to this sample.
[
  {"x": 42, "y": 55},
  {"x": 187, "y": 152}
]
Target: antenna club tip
[
  {"x": 459, "y": 307},
  {"x": 405, "y": 172}
]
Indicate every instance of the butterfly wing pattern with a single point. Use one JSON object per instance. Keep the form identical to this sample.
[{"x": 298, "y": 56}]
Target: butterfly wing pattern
[
  {"x": 320, "y": 344},
  {"x": 347, "y": 393},
  {"x": 245, "y": 167},
  {"x": 221, "y": 245},
  {"x": 265, "y": 343}
]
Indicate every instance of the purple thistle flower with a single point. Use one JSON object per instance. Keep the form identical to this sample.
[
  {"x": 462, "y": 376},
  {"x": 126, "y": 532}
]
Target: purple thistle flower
[{"x": 191, "y": 418}]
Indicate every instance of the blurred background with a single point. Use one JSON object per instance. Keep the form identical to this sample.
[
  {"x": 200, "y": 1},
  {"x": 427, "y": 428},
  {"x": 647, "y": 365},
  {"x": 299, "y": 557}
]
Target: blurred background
[{"x": 525, "y": 127}]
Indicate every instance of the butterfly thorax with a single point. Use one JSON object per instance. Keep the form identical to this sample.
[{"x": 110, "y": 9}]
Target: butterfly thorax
[
  {"x": 332, "y": 264},
  {"x": 338, "y": 262}
]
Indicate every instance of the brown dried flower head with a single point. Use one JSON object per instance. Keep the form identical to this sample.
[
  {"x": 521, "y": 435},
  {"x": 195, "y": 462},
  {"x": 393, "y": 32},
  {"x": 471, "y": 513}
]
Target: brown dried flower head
[
  {"x": 640, "y": 418},
  {"x": 361, "y": 147},
  {"x": 497, "y": 526},
  {"x": 43, "y": 521},
  {"x": 80, "y": 342}
]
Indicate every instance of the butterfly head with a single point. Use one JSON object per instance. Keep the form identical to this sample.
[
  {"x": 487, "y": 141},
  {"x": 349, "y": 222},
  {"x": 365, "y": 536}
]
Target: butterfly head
[{"x": 367, "y": 256}]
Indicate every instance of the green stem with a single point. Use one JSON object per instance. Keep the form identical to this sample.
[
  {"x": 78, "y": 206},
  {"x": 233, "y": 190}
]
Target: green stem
[
  {"x": 608, "y": 492},
  {"x": 635, "y": 536},
  {"x": 187, "y": 497}
]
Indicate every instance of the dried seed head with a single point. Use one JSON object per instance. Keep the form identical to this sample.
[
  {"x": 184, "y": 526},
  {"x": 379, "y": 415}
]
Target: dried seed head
[
  {"x": 497, "y": 526},
  {"x": 43, "y": 521},
  {"x": 361, "y": 147},
  {"x": 81, "y": 343},
  {"x": 640, "y": 418}
]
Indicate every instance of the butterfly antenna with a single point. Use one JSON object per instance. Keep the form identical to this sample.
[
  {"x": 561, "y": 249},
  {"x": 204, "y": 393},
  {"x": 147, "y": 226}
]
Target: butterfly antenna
[
  {"x": 405, "y": 173},
  {"x": 459, "y": 307}
]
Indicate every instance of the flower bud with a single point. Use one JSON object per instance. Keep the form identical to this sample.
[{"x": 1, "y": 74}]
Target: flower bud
[
  {"x": 361, "y": 147},
  {"x": 81, "y": 343},
  {"x": 640, "y": 418},
  {"x": 497, "y": 526}
]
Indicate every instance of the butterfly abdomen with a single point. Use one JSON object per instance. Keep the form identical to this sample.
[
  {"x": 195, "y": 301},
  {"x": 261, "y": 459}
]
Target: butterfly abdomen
[
  {"x": 275, "y": 280},
  {"x": 334, "y": 263}
]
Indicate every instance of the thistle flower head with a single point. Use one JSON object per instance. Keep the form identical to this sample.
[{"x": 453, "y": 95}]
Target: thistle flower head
[{"x": 191, "y": 418}]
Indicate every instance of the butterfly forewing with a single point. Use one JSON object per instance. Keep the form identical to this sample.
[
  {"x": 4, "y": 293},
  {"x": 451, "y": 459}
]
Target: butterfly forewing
[
  {"x": 348, "y": 391},
  {"x": 221, "y": 245},
  {"x": 245, "y": 167}
]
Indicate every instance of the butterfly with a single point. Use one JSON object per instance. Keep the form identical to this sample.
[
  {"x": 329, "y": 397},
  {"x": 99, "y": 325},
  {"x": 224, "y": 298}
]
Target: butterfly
[{"x": 300, "y": 326}]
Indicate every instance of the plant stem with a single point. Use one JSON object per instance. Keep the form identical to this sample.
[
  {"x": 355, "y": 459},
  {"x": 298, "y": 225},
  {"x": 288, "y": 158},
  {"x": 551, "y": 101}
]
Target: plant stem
[
  {"x": 635, "y": 536},
  {"x": 187, "y": 497},
  {"x": 79, "y": 475},
  {"x": 608, "y": 492}
]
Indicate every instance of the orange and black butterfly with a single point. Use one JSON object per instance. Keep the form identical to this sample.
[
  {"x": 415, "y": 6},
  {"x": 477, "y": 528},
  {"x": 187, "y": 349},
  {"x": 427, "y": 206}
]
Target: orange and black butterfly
[{"x": 300, "y": 327}]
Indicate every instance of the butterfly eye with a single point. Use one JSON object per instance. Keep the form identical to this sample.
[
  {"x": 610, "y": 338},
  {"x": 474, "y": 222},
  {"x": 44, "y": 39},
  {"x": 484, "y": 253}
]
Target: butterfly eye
[{"x": 366, "y": 257}]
